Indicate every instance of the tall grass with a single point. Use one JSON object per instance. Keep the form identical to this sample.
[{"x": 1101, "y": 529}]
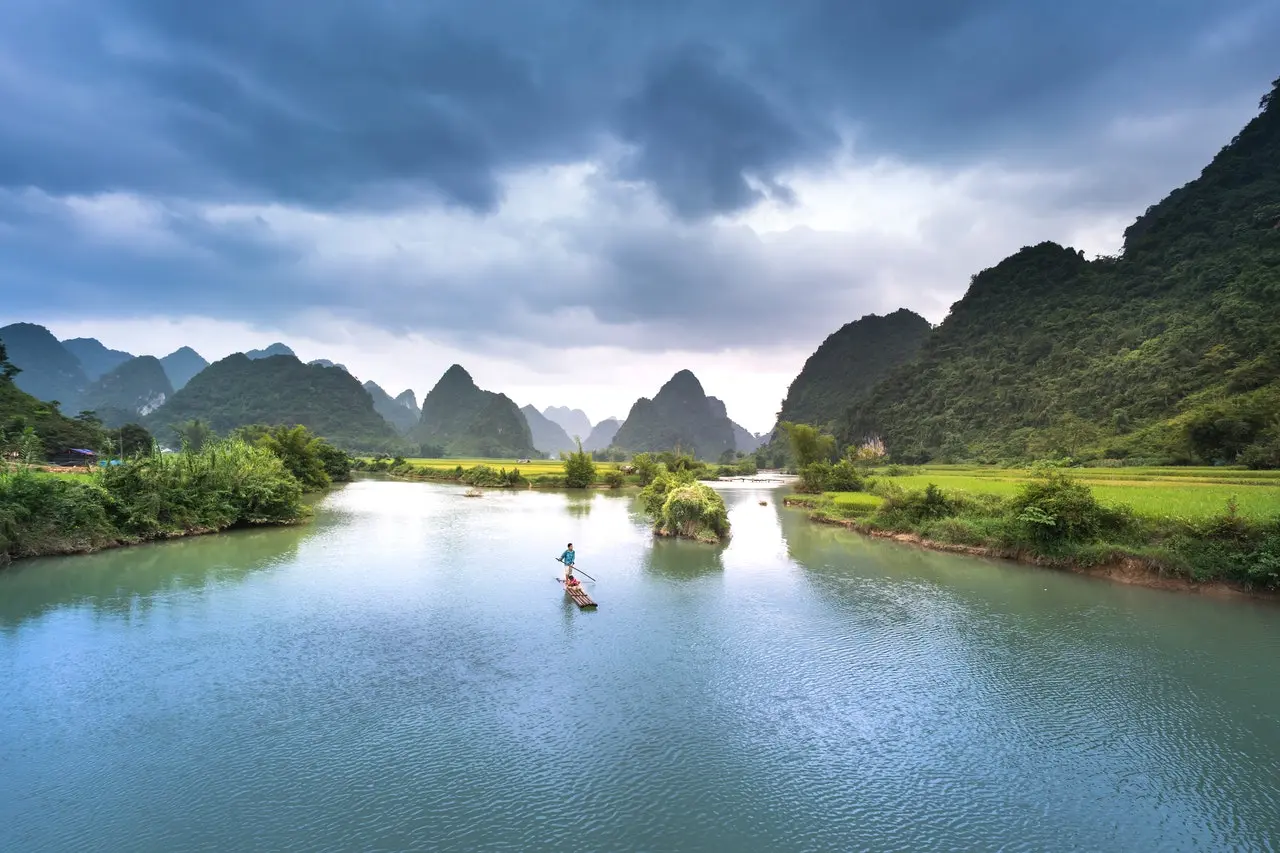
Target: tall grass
[
  {"x": 1060, "y": 518},
  {"x": 225, "y": 484}
]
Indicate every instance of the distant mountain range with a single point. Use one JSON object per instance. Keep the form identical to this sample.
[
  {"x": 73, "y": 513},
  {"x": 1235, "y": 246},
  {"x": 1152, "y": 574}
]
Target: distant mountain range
[
  {"x": 548, "y": 436},
  {"x": 280, "y": 389},
  {"x": 401, "y": 412},
  {"x": 573, "y": 421},
  {"x": 681, "y": 416},
  {"x": 457, "y": 418}
]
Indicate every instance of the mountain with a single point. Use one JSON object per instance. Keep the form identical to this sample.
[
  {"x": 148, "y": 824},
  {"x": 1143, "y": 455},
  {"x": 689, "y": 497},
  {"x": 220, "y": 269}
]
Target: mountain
[
  {"x": 467, "y": 421},
  {"x": 49, "y": 370},
  {"x": 182, "y": 364},
  {"x": 548, "y": 436},
  {"x": 55, "y": 431},
  {"x": 744, "y": 441},
  {"x": 95, "y": 359},
  {"x": 239, "y": 391},
  {"x": 323, "y": 362},
  {"x": 274, "y": 349},
  {"x": 398, "y": 412},
  {"x": 849, "y": 363},
  {"x": 680, "y": 415},
  {"x": 602, "y": 434},
  {"x": 1167, "y": 353},
  {"x": 572, "y": 421},
  {"x": 132, "y": 390},
  {"x": 408, "y": 400}
]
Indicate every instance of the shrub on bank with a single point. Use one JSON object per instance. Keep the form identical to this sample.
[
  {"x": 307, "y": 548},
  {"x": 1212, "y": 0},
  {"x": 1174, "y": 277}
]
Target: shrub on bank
[
  {"x": 1057, "y": 517},
  {"x": 225, "y": 484}
]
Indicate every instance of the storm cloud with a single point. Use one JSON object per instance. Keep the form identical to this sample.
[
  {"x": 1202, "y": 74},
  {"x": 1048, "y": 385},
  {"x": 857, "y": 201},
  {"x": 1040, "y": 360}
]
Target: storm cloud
[{"x": 634, "y": 167}]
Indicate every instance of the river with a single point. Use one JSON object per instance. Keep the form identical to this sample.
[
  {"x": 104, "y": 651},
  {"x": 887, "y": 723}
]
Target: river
[{"x": 404, "y": 674}]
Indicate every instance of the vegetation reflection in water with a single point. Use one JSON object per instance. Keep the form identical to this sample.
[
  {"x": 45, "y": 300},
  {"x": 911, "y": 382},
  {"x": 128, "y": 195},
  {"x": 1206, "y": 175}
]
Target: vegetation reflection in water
[{"x": 405, "y": 674}]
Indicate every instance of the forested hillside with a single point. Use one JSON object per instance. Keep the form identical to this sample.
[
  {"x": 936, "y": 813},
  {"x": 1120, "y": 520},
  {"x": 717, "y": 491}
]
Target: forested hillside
[
  {"x": 1168, "y": 353},
  {"x": 240, "y": 391},
  {"x": 680, "y": 415},
  {"x": 129, "y": 391},
  {"x": 465, "y": 420}
]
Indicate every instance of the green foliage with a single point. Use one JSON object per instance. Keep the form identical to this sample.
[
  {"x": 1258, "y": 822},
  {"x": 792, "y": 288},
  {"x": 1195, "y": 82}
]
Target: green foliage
[
  {"x": 849, "y": 363},
  {"x": 486, "y": 475},
  {"x": 193, "y": 434},
  {"x": 130, "y": 440},
  {"x": 225, "y": 484},
  {"x": 19, "y": 410},
  {"x": 238, "y": 391},
  {"x": 646, "y": 467},
  {"x": 914, "y": 506},
  {"x": 813, "y": 477},
  {"x": 681, "y": 506},
  {"x": 614, "y": 478},
  {"x": 300, "y": 452},
  {"x": 808, "y": 444},
  {"x": 1049, "y": 355},
  {"x": 465, "y": 421},
  {"x": 1057, "y": 509},
  {"x": 579, "y": 469}
]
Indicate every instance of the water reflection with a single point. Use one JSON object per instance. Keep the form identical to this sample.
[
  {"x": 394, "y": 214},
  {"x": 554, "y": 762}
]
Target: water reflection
[
  {"x": 579, "y": 505},
  {"x": 680, "y": 559},
  {"x": 128, "y": 581}
]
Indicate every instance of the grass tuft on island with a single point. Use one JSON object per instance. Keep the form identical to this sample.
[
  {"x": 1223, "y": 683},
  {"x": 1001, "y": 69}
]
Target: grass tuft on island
[
  {"x": 1055, "y": 518},
  {"x": 225, "y": 484}
]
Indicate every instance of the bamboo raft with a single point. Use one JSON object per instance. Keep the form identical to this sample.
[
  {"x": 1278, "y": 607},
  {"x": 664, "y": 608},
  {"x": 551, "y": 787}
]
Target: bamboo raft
[{"x": 579, "y": 596}]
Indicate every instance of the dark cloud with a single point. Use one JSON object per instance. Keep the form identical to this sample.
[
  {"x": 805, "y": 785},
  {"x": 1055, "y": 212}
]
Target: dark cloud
[{"x": 330, "y": 103}]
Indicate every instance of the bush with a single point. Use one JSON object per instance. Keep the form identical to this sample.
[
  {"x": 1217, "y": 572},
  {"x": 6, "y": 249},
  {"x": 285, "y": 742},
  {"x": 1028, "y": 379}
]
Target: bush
[
  {"x": 844, "y": 476},
  {"x": 910, "y": 508},
  {"x": 1055, "y": 509},
  {"x": 813, "y": 477},
  {"x": 225, "y": 484},
  {"x": 579, "y": 469},
  {"x": 646, "y": 467},
  {"x": 614, "y": 478},
  {"x": 681, "y": 506}
]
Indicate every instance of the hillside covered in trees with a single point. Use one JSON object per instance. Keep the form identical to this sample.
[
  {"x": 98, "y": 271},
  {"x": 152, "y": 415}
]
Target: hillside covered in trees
[
  {"x": 239, "y": 391},
  {"x": 1168, "y": 353},
  {"x": 128, "y": 391},
  {"x": 463, "y": 420},
  {"x": 680, "y": 415}
]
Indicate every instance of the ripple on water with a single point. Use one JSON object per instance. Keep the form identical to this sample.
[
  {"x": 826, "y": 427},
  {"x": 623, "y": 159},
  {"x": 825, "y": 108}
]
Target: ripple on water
[{"x": 405, "y": 676}]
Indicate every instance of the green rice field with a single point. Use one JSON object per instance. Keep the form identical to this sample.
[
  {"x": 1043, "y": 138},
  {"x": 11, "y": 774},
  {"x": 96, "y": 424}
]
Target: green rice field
[
  {"x": 534, "y": 468},
  {"x": 1154, "y": 492}
]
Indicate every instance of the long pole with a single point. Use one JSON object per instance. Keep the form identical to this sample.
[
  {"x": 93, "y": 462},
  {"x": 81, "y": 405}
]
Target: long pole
[{"x": 576, "y": 569}]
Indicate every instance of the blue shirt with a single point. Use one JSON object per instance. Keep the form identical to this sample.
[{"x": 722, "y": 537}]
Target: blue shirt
[{"x": 567, "y": 557}]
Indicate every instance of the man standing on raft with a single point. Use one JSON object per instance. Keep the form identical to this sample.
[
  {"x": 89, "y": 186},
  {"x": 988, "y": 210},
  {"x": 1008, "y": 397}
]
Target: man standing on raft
[{"x": 567, "y": 558}]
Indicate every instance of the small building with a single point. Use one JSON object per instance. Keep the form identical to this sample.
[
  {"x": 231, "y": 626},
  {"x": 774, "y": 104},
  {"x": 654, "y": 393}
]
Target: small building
[{"x": 73, "y": 457}]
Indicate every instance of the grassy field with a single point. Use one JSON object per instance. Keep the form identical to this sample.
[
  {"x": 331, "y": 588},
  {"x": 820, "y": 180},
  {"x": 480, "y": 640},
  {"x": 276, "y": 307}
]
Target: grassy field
[
  {"x": 534, "y": 468},
  {"x": 1153, "y": 492}
]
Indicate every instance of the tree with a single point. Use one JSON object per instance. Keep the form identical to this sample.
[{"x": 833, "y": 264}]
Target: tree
[
  {"x": 579, "y": 469},
  {"x": 300, "y": 452},
  {"x": 646, "y": 467},
  {"x": 30, "y": 447},
  {"x": 193, "y": 435},
  {"x": 808, "y": 444},
  {"x": 131, "y": 439},
  {"x": 7, "y": 369}
]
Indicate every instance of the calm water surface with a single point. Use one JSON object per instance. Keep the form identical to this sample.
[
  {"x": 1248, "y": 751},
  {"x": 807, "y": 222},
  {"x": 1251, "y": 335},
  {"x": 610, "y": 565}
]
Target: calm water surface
[{"x": 404, "y": 674}]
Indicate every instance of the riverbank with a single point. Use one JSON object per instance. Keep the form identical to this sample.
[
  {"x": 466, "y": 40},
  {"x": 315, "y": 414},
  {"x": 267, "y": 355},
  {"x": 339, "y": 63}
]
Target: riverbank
[
  {"x": 226, "y": 485},
  {"x": 1195, "y": 558}
]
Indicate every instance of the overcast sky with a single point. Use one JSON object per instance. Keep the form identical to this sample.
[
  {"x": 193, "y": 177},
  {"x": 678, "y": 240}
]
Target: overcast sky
[{"x": 576, "y": 198}]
